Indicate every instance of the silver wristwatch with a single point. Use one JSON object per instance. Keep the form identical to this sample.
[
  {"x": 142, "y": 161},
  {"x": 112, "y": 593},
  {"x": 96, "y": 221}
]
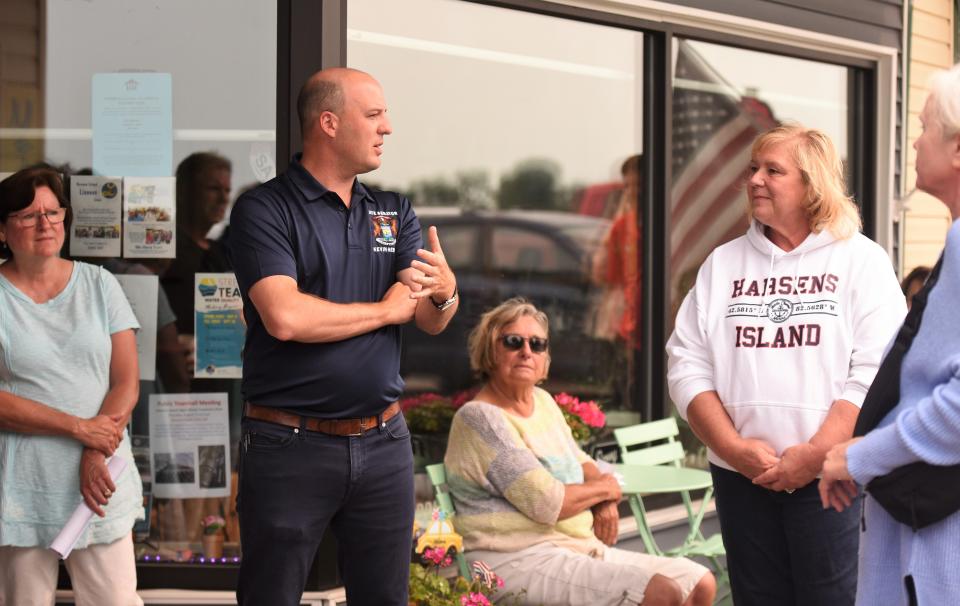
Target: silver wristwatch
[{"x": 444, "y": 305}]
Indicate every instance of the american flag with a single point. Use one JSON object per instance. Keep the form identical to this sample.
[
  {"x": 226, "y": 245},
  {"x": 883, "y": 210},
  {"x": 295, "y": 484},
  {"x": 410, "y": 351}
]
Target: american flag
[
  {"x": 713, "y": 130},
  {"x": 483, "y": 573}
]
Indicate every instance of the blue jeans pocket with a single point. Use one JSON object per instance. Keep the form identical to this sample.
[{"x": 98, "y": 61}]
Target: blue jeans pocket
[
  {"x": 263, "y": 437},
  {"x": 397, "y": 428}
]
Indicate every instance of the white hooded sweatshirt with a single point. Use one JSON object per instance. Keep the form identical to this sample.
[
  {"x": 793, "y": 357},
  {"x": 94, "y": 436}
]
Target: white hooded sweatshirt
[{"x": 782, "y": 335}]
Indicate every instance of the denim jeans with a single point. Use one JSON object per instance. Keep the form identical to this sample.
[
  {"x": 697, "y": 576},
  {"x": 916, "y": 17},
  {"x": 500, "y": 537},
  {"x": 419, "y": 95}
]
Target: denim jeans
[
  {"x": 785, "y": 549},
  {"x": 294, "y": 483}
]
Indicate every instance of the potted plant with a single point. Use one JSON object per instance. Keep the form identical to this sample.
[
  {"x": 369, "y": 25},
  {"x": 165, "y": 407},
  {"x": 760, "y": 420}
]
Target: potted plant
[
  {"x": 429, "y": 588},
  {"x": 428, "y": 417},
  {"x": 584, "y": 418},
  {"x": 212, "y": 537}
]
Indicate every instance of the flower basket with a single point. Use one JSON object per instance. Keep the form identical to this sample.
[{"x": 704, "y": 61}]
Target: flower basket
[
  {"x": 429, "y": 588},
  {"x": 429, "y": 417},
  {"x": 585, "y": 419}
]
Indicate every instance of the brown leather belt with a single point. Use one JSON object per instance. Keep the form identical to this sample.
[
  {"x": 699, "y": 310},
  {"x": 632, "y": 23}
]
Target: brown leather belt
[{"x": 337, "y": 427}]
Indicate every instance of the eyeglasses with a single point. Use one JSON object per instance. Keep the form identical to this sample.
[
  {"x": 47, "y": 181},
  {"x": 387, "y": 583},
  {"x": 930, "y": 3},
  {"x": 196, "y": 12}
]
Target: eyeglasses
[
  {"x": 538, "y": 345},
  {"x": 31, "y": 219}
]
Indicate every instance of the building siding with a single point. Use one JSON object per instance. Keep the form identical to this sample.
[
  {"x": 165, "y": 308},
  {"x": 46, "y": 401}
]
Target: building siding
[{"x": 925, "y": 219}]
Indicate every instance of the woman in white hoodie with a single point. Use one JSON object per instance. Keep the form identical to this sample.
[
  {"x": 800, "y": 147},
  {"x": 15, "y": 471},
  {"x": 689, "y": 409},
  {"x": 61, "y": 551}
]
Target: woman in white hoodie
[{"x": 773, "y": 351}]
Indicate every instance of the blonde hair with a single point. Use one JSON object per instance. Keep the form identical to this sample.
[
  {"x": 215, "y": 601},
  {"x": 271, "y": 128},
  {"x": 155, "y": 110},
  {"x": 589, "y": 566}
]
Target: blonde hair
[
  {"x": 482, "y": 342},
  {"x": 828, "y": 206}
]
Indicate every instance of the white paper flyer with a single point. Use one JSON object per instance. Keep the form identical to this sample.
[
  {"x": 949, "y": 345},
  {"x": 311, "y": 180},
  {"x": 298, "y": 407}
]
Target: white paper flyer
[
  {"x": 132, "y": 120},
  {"x": 190, "y": 442},
  {"x": 218, "y": 326},
  {"x": 95, "y": 204},
  {"x": 149, "y": 217},
  {"x": 142, "y": 294},
  {"x": 67, "y": 537}
]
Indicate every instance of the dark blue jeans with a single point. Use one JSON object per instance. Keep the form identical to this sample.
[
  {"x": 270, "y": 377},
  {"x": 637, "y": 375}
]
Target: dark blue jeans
[
  {"x": 785, "y": 549},
  {"x": 294, "y": 483}
]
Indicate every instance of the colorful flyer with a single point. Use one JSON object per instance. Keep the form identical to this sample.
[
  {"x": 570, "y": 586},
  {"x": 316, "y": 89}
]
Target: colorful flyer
[
  {"x": 218, "y": 326},
  {"x": 190, "y": 445},
  {"x": 142, "y": 292},
  {"x": 132, "y": 124},
  {"x": 149, "y": 217},
  {"x": 96, "y": 207}
]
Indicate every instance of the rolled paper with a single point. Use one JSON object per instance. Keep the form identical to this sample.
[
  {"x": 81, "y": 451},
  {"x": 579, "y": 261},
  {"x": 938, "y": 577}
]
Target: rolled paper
[{"x": 64, "y": 542}]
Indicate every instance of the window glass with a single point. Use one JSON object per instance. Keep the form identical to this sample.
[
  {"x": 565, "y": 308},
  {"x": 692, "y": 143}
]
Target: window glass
[
  {"x": 723, "y": 98},
  {"x": 461, "y": 245},
  {"x": 524, "y": 250},
  {"x": 515, "y": 126},
  {"x": 214, "y": 67}
]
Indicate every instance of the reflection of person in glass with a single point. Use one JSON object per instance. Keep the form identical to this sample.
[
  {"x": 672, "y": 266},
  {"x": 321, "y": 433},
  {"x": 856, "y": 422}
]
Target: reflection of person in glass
[
  {"x": 529, "y": 501},
  {"x": 911, "y": 416},
  {"x": 203, "y": 193},
  {"x": 616, "y": 267},
  {"x": 325, "y": 292},
  {"x": 68, "y": 382},
  {"x": 773, "y": 351}
]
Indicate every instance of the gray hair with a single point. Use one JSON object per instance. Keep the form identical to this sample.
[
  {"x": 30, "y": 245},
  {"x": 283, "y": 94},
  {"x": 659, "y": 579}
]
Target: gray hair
[
  {"x": 945, "y": 96},
  {"x": 482, "y": 341}
]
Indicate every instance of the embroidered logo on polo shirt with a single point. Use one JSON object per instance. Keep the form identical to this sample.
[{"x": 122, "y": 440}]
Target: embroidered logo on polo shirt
[{"x": 384, "y": 225}]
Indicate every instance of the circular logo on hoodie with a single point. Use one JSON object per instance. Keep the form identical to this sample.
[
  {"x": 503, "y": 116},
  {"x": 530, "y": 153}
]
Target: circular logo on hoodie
[{"x": 779, "y": 310}]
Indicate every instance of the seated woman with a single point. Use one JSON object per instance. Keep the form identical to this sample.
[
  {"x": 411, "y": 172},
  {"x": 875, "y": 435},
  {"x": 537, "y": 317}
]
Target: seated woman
[
  {"x": 68, "y": 382},
  {"x": 530, "y": 503}
]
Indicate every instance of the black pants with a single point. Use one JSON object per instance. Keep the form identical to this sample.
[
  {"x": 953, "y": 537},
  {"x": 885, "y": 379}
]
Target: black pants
[
  {"x": 786, "y": 549},
  {"x": 294, "y": 484}
]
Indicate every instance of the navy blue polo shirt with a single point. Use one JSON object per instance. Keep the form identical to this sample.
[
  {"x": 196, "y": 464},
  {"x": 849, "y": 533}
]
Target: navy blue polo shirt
[{"x": 294, "y": 226}]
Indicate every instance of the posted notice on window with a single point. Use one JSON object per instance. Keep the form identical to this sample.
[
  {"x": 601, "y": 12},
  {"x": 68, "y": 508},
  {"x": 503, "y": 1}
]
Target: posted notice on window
[
  {"x": 142, "y": 292},
  {"x": 132, "y": 124},
  {"x": 149, "y": 205},
  {"x": 190, "y": 445},
  {"x": 218, "y": 326},
  {"x": 96, "y": 207}
]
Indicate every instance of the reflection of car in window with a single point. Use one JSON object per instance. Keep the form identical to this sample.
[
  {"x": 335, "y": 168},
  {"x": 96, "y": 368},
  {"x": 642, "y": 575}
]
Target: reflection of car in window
[{"x": 542, "y": 255}]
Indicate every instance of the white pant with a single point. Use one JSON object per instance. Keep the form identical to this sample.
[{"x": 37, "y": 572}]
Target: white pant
[
  {"x": 554, "y": 576},
  {"x": 101, "y": 575}
]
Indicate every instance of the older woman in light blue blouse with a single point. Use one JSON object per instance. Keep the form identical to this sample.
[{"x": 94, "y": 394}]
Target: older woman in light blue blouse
[
  {"x": 898, "y": 565},
  {"x": 68, "y": 383}
]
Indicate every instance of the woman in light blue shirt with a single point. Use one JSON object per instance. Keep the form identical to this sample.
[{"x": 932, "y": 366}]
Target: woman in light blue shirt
[
  {"x": 914, "y": 563},
  {"x": 68, "y": 383}
]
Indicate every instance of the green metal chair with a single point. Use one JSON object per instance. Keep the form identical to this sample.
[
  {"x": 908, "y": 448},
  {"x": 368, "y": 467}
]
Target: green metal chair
[
  {"x": 656, "y": 443},
  {"x": 438, "y": 477}
]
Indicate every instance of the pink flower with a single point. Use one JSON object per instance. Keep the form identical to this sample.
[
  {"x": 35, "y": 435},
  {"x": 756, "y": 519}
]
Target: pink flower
[
  {"x": 435, "y": 556},
  {"x": 587, "y": 412},
  {"x": 592, "y": 415},
  {"x": 414, "y": 401},
  {"x": 461, "y": 398},
  {"x": 474, "y": 599}
]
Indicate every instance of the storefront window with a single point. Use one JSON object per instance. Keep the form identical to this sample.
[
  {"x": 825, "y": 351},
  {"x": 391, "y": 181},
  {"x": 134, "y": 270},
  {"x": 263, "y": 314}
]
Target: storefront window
[
  {"x": 510, "y": 134},
  {"x": 723, "y": 98},
  {"x": 131, "y": 90}
]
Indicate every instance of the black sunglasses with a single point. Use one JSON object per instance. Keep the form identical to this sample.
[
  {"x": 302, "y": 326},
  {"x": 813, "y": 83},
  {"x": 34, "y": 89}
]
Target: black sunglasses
[{"x": 515, "y": 343}]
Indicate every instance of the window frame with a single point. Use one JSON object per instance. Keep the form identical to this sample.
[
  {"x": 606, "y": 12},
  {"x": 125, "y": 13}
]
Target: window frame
[{"x": 872, "y": 120}]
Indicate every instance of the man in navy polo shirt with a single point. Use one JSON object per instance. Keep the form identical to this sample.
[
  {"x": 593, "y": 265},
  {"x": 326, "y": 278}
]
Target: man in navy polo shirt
[{"x": 329, "y": 270}]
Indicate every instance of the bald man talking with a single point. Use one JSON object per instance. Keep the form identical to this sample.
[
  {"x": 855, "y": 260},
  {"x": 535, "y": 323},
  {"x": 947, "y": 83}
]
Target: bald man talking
[{"x": 329, "y": 270}]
